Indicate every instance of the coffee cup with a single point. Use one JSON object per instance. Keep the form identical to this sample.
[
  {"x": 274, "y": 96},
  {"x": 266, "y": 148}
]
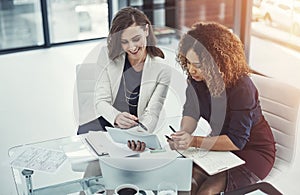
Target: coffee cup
[{"x": 127, "y": 189}]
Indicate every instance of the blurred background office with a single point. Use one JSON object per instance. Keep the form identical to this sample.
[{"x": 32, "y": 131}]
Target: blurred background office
[{"x": 42, "y": 41}]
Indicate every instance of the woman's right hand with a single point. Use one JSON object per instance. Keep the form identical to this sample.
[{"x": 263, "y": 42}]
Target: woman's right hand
[
  {"x": 125, "y": 120},
  {"x": 181, "y": 140}
]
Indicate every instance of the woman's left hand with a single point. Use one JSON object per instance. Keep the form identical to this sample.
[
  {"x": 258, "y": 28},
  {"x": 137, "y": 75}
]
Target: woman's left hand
[
  {"x": 182, "y": 140},
  {"x": 136, "y": 146}
]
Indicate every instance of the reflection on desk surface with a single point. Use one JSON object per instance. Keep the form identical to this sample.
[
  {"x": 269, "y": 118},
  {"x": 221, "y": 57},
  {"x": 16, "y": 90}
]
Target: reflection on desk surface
[{"x": 40, "y": 159}]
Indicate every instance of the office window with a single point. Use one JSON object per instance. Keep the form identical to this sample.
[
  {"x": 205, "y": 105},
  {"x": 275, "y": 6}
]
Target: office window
[
  {"x": 71, "y": 20},
  {"x": 20, "y": 24},
  {"x": 275, "y": 39},
  {"x": 27, "y": 24}
]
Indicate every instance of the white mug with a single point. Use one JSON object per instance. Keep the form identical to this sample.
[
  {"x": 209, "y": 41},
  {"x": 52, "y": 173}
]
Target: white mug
[{"x": 127, "y": 189}]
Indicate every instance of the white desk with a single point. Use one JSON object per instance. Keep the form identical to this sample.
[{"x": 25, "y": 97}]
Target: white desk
[
  {"x": 68, "y": 178},
  {"x": 64, "y": 181}
]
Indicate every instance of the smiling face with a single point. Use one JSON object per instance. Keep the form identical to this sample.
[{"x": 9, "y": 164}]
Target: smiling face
[
  {"x": 134, "y": 41},
  {"x": 193, "y": 65}
]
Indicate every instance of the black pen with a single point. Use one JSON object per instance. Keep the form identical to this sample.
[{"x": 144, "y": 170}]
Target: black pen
[
  {"x": 173, "y": 140},
  {"x": 142, "y": 125},
  {"x": 172, "y": 128},
  {"x": 168, "y": 138}
]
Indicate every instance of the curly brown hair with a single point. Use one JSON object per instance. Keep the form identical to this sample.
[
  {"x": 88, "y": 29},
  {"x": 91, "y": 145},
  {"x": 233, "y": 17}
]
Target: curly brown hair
[{"x": 216, "y": 45}]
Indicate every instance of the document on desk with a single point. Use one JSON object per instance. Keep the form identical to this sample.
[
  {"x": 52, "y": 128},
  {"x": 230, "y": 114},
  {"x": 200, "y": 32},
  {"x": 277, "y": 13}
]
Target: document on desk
[
  {"x": 135, "y": 133},
  {"x": 103, "y": 145},
  {"x": 213, "y": 162},
  {"x": 39, "y": 159}
]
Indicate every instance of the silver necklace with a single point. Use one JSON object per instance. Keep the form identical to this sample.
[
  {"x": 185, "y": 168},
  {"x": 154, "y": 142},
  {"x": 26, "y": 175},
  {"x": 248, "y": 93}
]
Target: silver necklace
[{"x": 131, "y": 95}]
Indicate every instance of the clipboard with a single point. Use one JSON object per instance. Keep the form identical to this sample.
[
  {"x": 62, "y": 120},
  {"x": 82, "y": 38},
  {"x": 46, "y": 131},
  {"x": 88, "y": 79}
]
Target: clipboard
[{"x": 123, "y": 135}]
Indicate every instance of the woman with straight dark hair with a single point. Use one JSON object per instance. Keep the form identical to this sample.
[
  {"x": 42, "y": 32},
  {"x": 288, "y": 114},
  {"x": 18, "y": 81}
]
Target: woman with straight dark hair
[{"x": 134, "y": 78}]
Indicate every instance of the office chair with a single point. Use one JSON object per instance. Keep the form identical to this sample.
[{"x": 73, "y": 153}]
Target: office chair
[
  {"x": 86, "y": 76},
  {"x": 280, "y": 104}
]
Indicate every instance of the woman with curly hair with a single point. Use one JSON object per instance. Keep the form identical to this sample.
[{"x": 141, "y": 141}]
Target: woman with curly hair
[{"x": 221, "y": 91}]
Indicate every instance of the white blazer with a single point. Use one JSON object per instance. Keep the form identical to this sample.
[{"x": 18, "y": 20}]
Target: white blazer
[{"x": 155, "y": 81}]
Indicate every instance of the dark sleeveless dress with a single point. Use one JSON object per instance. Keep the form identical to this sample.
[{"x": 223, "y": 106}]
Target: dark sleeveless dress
[{"x": 243, "y": 123}]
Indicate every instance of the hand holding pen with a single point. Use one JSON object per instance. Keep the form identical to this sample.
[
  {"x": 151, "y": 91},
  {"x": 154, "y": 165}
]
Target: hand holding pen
[
  {"x": 170, "y": 140},
  {"x": 125, "y": 120},
  {"x": 180, "y": 139}
]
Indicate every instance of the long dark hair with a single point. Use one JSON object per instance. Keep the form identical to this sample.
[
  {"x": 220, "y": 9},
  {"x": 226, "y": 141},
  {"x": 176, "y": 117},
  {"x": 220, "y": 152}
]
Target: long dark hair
[{"x": 124, "y": 19}]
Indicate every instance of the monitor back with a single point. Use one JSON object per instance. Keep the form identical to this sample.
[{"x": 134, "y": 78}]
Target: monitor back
[{"x": 146, "y": 173}]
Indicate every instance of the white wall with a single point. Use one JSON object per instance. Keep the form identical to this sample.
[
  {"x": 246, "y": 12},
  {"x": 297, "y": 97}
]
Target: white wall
[{"x": 36, "y": 101}]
